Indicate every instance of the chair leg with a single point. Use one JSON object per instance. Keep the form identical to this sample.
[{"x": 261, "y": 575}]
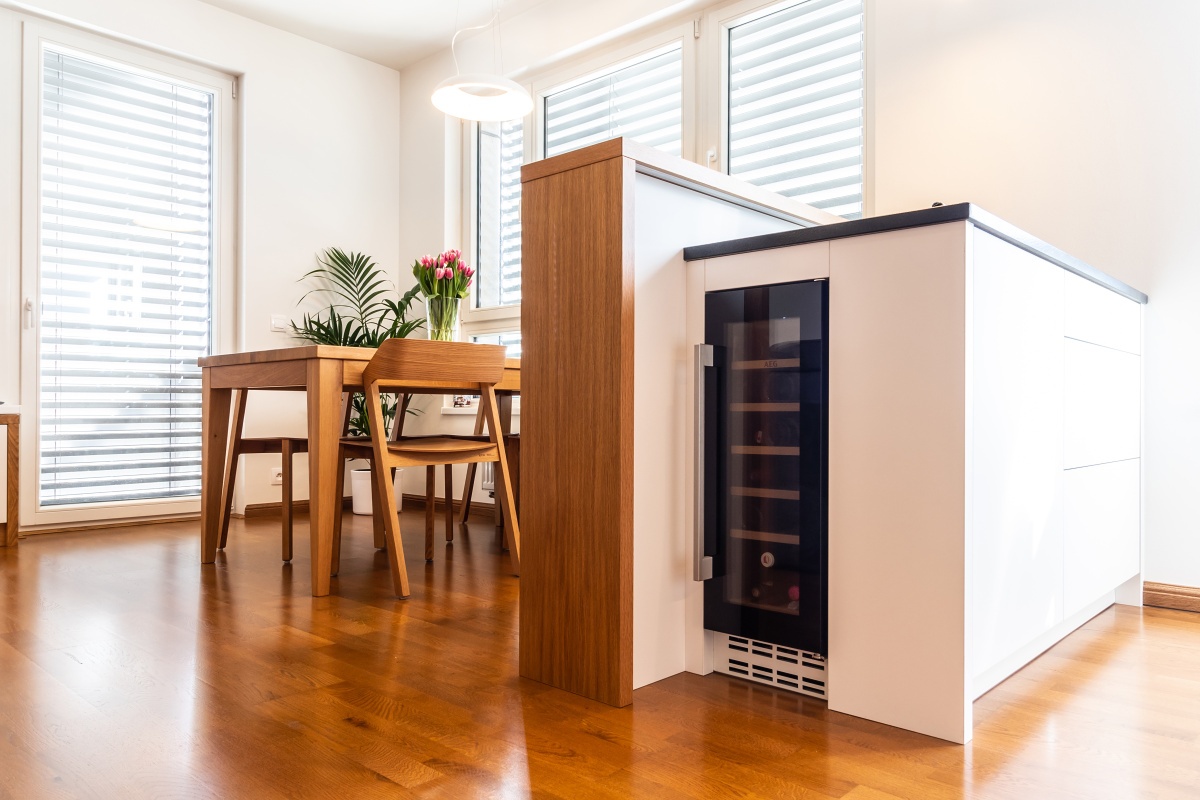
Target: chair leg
[
  {"x": 503, "y": 480},
  {"x": 391, "y": 523},
  {"x": 231, "y": 464},
  {"x": 430, "y": 476},
  {"x": 449, "y": 502},
  {"x": 286, "y": 505},
  {"x": 335, "y": 559},
  {"x": 377, "y": 528}
]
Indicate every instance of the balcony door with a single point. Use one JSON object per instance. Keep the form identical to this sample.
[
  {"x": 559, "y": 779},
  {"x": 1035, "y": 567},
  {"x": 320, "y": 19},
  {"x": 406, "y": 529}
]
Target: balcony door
[{"x": 127, "y": 238}]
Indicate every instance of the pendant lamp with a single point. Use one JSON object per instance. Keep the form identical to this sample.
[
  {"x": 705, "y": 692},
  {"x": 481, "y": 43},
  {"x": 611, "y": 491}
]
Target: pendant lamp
[{"x": 481, "y": 97}]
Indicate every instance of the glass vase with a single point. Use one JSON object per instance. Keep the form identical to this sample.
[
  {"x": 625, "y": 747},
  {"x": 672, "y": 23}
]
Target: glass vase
[{"x": 441, "y": 318}]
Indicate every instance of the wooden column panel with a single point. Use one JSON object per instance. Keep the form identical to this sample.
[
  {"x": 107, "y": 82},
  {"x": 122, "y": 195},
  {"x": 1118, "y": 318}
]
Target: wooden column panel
[
  {"x": 12, "y": 524},
  {"x": 576, "y": 624}
]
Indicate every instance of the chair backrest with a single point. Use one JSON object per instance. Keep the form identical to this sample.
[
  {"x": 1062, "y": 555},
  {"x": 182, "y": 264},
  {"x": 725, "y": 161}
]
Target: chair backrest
[{"x": 403, "y": 361}]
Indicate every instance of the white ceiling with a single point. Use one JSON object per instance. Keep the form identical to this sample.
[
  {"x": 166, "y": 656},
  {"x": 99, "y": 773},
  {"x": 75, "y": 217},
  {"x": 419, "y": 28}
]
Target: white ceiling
[{"x": 394, "y": 33}]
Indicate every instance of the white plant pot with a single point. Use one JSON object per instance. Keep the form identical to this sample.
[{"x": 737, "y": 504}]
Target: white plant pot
[{"x": 360, "y": 490}]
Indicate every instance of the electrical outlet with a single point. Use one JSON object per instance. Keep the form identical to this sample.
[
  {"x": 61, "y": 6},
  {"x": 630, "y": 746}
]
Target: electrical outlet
[{"x": 277, "y": 476}]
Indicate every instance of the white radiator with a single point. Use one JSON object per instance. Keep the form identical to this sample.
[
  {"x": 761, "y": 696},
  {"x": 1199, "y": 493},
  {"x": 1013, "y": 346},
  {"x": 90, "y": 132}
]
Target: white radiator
[
  {"x": 763, "y": 662},
  {"x": 487, "y": 476}
]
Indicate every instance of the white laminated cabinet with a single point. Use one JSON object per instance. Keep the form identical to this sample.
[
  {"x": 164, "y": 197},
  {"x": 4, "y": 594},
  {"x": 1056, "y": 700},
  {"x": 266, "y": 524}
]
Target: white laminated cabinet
[{"x": 984, "y": 450}]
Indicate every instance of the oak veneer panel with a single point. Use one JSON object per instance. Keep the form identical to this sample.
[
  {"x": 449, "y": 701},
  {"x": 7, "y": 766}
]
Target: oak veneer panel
[
  {"x": 576, "y": 623},
  {"x": 12, "y": 523}
]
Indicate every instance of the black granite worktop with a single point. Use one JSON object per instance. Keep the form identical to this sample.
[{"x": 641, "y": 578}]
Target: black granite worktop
[{"x": 915, "y": 219}]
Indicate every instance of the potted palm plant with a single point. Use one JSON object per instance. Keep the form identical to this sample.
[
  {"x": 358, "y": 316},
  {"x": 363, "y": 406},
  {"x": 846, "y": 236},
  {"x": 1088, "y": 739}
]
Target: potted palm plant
[{"x": 364, "y": 309}]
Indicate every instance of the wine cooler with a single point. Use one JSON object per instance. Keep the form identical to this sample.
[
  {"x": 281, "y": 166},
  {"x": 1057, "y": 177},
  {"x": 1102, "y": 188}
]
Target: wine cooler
[{"x": 761, "y": 397}]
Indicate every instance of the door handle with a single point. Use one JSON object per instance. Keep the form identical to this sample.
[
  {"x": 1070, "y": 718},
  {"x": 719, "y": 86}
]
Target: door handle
[
  {"x": 28, "y": 309},
  {"x": 702, "y": 567}
]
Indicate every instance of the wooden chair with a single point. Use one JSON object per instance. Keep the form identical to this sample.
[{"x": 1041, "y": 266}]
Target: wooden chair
[
  {"x": 242, "y": 445},
  {"x": 420, "y": 366},
  {"x": 354, "y": 448}
]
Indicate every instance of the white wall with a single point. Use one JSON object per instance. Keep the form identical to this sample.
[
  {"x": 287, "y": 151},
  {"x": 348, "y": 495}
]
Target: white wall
[
  {"x": 321, "y": 168},
  {"x": 1075, "y": 120}
]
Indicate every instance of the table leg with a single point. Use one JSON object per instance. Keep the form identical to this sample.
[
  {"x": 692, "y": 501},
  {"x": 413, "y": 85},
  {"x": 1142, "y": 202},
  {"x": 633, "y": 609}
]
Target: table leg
[
  {"x": 469, "y": 482},
  {"x": 324, "y": 404},
  {"x": 504, "y": 410},
  {"x": 498, "y": 427},
  {"x": 214, "y": 439}
]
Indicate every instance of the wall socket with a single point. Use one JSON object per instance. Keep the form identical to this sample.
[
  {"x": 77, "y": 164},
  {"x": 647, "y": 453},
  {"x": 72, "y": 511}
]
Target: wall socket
[{"x": 277, "y": 476}]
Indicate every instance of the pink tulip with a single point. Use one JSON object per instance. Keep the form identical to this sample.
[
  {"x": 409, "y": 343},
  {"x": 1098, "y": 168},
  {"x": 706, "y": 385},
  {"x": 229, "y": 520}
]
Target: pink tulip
[{"x": 426, "y": 261}]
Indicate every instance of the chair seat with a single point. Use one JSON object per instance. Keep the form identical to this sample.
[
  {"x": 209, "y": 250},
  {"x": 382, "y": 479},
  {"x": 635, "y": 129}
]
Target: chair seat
[
  {"x": 420, "y": 446},
  {"x": 439, "y": 446}
]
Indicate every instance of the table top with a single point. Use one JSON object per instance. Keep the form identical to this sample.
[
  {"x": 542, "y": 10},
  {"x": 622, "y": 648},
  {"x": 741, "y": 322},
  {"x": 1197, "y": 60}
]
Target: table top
[
  {"x": 301, "y": 353},
  {"x": 286, "y": 368}
]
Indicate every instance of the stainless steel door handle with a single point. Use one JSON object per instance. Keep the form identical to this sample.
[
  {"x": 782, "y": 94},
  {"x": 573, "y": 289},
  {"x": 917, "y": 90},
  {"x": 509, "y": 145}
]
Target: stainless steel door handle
[{"x": 702, "y": 567}]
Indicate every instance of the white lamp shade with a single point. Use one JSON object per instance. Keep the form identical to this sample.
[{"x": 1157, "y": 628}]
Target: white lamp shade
[{"x": 483, "y": 98}]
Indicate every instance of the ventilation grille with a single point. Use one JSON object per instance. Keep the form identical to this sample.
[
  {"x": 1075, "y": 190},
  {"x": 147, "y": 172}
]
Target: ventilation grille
[{"x": 762, "y": 662}]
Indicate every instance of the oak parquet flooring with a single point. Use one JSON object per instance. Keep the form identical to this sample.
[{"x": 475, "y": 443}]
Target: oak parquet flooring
[{"x": 127, "y": 671}]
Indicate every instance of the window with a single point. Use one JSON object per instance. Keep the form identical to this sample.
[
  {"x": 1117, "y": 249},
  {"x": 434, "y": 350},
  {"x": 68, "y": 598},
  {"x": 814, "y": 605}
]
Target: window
[
  {"x": 501, "y": 154},
  {"x": 643, "y": 101},
  {"x": 510, "y": 339},
  {"x": 795, "y": 114},
  {"x": 124, "y": 264},
  {"x": 773, "y": 93}
]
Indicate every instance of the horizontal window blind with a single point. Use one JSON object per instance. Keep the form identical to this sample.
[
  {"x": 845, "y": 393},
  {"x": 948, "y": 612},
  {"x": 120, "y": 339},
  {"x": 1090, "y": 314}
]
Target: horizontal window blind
[
  {"x": 643, "y": 101},
  {"x": 125, "y": 281},
  {"x": 501, "y": 154},
  {"x": 796, "y": 103},
  {"x": 510, "y": 339}
]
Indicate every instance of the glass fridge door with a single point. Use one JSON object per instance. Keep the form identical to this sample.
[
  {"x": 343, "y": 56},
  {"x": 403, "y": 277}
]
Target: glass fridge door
[{"x": 765, "y": 434}]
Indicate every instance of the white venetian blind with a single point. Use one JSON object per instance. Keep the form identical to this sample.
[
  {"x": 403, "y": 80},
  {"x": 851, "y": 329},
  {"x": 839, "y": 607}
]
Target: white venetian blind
[
  {"x": 125, "y": 281},
  {"x": 796, "y": 103},
  {"x": 643, "y": 101},
  {"x": 501, "y": 154}
]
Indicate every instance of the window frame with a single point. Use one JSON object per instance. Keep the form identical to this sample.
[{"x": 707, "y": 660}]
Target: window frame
[
  {"x": 563, "y": 75},
  {"x": 720, "y": 19},
  {"x": 705, "y": 40},
  {"x": 223, "y": 300}
]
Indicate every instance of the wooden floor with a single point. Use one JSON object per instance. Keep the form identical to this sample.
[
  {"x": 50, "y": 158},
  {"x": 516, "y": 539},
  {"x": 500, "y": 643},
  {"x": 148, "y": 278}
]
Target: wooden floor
[{"x": 128, "y": 671}]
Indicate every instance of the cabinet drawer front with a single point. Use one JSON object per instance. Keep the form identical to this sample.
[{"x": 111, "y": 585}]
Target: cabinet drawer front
[
  {"x": 1100, "y": 316},
  {"x": 765, "y": 267},
  {"x": 1103, "y": 405},
  {"x": 1103, "y": 530}
]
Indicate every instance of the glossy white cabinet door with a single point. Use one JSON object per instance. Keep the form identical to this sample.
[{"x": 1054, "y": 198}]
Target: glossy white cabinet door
[
  {"x": 1103, "y": 530},
  {"x": 1103, "y": 405},
  {"x": 1017, "y": 424},
  {"x": 1101, "y": 316}
]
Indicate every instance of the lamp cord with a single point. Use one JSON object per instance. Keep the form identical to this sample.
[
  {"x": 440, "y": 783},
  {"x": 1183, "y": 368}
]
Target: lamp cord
[{"x": 454, "y": 39}]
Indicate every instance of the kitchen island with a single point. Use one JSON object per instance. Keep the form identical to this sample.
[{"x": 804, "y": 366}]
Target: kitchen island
[{"x": 984, "y": 443}]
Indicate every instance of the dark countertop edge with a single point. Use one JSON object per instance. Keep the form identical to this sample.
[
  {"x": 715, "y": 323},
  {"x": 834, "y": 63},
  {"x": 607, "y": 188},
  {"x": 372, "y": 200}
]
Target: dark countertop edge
[{"x": 958, "y": 212}]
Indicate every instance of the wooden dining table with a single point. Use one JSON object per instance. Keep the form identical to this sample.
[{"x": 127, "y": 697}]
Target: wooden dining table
[{"x": 323, "y": 372}]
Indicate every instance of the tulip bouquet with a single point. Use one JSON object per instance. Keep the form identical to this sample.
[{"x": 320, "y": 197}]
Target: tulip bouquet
[{"x": 444, "y": 280}]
